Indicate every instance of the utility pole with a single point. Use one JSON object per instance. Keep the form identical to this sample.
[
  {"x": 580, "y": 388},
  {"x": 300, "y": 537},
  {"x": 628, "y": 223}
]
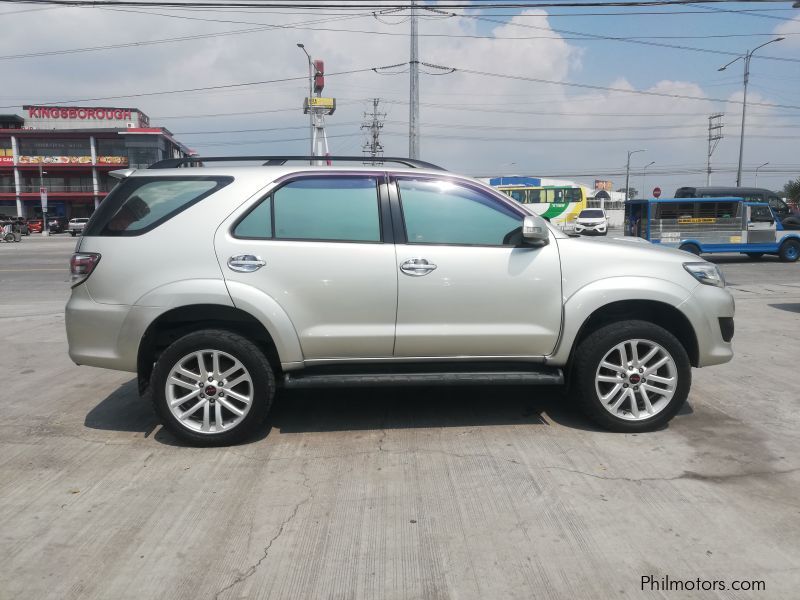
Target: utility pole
[
  {"x": 374, "y": 124},
  {"x": 714, "y": 136},
  {"x": 746, "y": 58},
  {"x": 628, "y": 171},
  {"x": 413, "y": 111}
]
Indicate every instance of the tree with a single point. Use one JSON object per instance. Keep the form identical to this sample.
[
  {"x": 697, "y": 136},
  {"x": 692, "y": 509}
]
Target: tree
[
  {"x": 632, "y": 192},
  {"x": 792, "y": 191}
]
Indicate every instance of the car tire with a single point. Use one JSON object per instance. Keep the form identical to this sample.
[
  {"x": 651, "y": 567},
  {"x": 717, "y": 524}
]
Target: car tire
[
  {"x": 214, "y": 413},
  {"x": 789, "y": 251},
  {"x": 606, "y": 396},
  {"x": 691, "y": 248}
]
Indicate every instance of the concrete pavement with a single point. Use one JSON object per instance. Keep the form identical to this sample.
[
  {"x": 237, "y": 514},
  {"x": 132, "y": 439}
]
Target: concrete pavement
[{"x": 433, "y": 493}]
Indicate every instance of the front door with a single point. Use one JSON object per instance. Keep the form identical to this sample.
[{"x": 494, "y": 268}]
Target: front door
[
  {"x": 760, "y": 224},
  {"x": 466, "y": 287},
  {"x": 316, "y": 246}
]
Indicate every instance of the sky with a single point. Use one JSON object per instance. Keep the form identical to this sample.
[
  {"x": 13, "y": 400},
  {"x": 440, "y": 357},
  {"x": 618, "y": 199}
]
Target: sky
[{"x": 499, "y": 107}]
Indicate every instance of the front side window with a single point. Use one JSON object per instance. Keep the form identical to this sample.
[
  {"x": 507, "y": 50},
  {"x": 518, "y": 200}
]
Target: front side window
[
  {"x": 778, "y": 205},
  {"x": 328, "y": 208},
  {"x": 760, "y": 214},
  {"x": 442, "y": 212}
]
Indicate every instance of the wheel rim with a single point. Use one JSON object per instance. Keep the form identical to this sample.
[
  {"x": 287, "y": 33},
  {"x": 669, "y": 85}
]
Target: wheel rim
[
  {"x": 792, "y": 252},
  {"x": 209, "y": 391},
  {"x": 636, "y": 379}
]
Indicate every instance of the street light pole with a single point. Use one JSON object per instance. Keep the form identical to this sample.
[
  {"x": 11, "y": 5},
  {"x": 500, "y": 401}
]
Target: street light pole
[
  {"x": 644, "y": 175},
  {"x": 628, "y": 171},
  {"x": 757, "y": 168},
  {"x": 310, "y": 94},
  {"x": 746, "y": 58}
]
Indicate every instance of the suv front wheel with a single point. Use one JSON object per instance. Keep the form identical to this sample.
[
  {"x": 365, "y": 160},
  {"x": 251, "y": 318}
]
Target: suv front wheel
[
  {"x": 631, "y": 376},
  {"x": 212, "y": 387}
]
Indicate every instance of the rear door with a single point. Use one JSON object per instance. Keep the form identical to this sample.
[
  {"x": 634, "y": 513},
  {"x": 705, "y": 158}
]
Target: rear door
[
  {"x": 320, "y": 245},
  {"x": 466, "y": 287}
]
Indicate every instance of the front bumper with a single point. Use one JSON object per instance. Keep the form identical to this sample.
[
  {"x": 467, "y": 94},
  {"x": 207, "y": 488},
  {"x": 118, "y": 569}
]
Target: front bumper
[
  {"x": 589, "y": 229},
  {"x": 710, "y": 310}
]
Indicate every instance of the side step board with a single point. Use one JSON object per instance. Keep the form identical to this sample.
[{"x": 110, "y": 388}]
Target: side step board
[{"x": 539, "y": 375}]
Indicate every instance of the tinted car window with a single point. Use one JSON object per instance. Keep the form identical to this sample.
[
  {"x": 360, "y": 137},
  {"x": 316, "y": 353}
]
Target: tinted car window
[
  {"x": 140, "y": 204},
  {"x": 441, "y": 212},
  {"x": 591, "y": 213},
  {"x": 257, "y": 223},
  {"x": 328, "y": 208}
]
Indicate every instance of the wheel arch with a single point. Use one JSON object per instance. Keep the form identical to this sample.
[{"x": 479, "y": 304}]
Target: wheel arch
[
  {"x": 179, "y": 321},
  {"x": 623, "y": 298},
  {"x": 653, "y": 311}
]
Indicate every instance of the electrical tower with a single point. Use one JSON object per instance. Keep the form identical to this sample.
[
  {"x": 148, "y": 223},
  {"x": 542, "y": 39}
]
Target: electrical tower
[
  {"x": 714, "y": 136},
  {"x": 373, "y": 124}
]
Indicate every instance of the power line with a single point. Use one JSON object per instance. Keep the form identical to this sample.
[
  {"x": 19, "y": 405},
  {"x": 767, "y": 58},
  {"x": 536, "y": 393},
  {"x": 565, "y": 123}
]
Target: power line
[
  {"x": 355, "y": 4},
  {"x": 630, "y": 40},
  {"x": 622, "y": 90},
  {"x": 198, "y": 89}
]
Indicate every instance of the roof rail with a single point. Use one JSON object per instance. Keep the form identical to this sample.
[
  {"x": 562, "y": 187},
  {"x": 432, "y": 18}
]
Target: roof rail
[{"x": 171, "y": 163}]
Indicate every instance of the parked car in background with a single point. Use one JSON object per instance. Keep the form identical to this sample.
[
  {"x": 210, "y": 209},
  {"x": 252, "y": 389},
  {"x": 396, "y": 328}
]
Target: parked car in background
[
  {"x": 35, "y": 225},
  {"x": 216, "y": 284},
  {"x": 592, "y": 221},
  {"x": 57, "y": 224},
  {"x": 76, "y": 226}
]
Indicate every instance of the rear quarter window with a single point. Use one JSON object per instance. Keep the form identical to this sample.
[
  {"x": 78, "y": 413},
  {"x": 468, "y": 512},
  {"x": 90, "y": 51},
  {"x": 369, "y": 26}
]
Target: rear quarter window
[{"x": 140, "y": 204}]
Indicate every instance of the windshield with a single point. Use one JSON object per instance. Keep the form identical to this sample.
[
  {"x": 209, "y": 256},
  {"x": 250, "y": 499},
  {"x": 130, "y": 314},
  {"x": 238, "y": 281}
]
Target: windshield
[{"x": 591, "y": 213}]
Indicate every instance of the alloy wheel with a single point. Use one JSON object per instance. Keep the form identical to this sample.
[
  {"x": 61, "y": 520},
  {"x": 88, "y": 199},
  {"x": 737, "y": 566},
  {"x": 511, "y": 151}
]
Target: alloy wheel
[
  {"x": 636, "y": 379},
  {"x": 209, "y": 391}
]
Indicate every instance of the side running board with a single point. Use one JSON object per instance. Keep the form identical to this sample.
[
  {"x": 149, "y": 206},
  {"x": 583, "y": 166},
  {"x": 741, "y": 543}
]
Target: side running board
[{"x": 539, "y": 375}]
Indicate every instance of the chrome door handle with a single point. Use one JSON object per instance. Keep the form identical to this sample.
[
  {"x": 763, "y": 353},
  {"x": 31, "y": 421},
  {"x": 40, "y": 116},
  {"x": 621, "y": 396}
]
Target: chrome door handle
[
  {"x": 417, "y": 267},
  {"x": 245, "y": 263}
]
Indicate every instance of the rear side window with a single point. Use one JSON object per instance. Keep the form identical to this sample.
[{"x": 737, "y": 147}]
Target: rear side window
[
  {"x": 140, "y": 204},
  {"x": 341, "y": 209}
]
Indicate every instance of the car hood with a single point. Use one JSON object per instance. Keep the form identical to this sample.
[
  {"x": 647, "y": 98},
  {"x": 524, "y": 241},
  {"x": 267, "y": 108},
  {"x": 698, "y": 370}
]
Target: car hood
[
  {"x": 591, "y": 221},
  {"x": 585, "y": 260}
]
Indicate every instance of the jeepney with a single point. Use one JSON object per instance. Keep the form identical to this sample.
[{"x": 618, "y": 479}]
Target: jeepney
[{"x": 710, "y": 225}]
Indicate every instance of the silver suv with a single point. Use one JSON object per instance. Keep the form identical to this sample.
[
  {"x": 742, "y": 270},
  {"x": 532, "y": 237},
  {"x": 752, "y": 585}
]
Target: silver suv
[{"x": 219, "y": 284}]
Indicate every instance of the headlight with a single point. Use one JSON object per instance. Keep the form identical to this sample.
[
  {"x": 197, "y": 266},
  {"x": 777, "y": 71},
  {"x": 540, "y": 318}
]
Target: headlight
[{"x": 706, "y": 273}]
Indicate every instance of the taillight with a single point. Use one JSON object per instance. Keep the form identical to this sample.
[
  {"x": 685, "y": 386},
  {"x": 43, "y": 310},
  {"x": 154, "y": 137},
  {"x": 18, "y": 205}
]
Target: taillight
[{"x": 81, "y": 266}]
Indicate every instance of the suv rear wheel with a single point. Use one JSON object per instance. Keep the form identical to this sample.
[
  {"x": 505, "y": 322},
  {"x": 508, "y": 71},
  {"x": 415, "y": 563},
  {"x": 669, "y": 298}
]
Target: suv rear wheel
[
  {"x": 631, "y": 376},
  {"x": 212, "y": 387}
]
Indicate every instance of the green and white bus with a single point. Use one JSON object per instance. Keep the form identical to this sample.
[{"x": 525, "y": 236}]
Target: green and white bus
[{"x": 560, "y": 204}]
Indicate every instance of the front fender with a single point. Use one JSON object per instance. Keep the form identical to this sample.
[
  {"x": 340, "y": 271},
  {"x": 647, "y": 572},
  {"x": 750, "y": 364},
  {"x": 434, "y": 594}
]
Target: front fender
[{"x": 593, "y": 296}]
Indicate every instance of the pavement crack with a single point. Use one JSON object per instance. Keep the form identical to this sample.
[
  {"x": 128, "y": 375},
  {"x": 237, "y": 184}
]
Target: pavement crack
[
  {"x": 691, "y": 475},
  {"x": 255, "y": 566}
]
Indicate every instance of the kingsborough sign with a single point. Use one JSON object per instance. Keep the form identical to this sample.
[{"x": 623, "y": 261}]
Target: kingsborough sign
[{"x": 79, "y": 117}]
